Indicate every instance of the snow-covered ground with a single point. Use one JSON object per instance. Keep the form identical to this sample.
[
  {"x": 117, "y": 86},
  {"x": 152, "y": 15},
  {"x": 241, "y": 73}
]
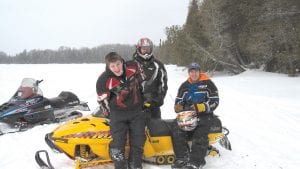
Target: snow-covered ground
[{"x": 261, "y": 110}]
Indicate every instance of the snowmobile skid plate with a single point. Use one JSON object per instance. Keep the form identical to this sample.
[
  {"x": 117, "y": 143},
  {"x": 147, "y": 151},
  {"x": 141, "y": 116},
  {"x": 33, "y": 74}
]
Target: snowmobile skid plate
[{"x": 81, "y": 164}]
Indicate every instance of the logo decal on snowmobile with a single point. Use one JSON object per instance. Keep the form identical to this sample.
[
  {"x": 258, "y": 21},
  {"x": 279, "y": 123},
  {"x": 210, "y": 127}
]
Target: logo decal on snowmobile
[
  {"x": 32, "y": 101},
  {"x": 154, "y": 141},
  {"x": 73, "y": 102},
  {"x": 21, "y": 110},
  {"x": 89, "y": 135}
]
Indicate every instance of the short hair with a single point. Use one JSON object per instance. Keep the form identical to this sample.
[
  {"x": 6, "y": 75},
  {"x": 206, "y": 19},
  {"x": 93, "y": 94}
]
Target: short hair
[{"x": 112, "y": 57}]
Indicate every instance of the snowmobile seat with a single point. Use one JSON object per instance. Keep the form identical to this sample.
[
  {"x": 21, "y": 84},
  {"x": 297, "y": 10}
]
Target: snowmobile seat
[
  {"x": 64, "y": 99},
  {"x": 159, "y": 127},
  {"x": 215, "y": 125}
]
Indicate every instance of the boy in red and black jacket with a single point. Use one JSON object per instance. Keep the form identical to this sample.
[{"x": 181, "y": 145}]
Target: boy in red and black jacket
[{"x": 120, "y": 93}]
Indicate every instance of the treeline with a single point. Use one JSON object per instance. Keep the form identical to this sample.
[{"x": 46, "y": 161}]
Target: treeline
[
  {"x": 237, "y": 34},
  {"x": 232, "y": 35},
  {"x": 68, "y": 55}
]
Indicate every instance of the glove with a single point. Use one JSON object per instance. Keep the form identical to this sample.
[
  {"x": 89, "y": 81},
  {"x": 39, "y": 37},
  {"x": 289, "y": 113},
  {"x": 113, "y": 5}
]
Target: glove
[
  {"x": 101, "y": 112},
  {"x": 101, "y": 98},
  {"x": 178, "y": 108},
  {"x": 104, "y": 114},
  {"x": 103, "y": 109},
  {"x": 201, "y": 107},
  {"x": 159, "y": 101},
  {"x": 148, "y": 100},
  {"x": 147, "y": 110},
  {"x": 147, "y": 105}
]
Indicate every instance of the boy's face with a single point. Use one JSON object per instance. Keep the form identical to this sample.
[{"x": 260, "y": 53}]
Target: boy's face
[
  {"x": 145, "y": 50},
  {"x": 194, "y": 75},
  {"x": 116, "y": 67}
]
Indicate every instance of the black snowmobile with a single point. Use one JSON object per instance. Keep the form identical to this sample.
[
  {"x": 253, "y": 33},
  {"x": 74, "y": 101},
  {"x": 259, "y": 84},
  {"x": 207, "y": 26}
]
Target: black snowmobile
[{"x": 28, "y": 108}]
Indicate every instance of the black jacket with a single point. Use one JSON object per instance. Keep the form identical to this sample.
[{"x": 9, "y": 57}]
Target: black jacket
[
  {"x": 124, "y": 93},
  {"x": 155, "y": 84},
  {"x": 203, "y": 91}
]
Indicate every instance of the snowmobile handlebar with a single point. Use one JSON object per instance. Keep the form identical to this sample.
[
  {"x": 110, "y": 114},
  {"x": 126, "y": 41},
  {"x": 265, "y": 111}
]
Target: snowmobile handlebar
[
  {"x": 39, "y": 81},
  {"x": 226, "y": 131}
]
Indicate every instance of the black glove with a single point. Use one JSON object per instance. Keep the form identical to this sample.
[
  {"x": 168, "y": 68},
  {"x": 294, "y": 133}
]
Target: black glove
[
  {"x": 103, "y": 109},
  {"x": 148, "y": 101}
]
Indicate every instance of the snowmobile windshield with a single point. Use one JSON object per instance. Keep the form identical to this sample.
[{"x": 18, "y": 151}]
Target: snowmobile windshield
[{"x": 28, "y": 88}]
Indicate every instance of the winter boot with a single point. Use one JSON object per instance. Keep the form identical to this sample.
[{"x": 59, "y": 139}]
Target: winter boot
[
  {"x": 178, "y": 164},
  {"x": 120, "y": 164},
  {"x": 193, "y": 166},
  {"x": 132, "y": 166}
]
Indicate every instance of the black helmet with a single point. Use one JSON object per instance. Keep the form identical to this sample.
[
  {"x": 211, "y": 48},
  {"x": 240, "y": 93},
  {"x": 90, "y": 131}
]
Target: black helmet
[{"x": 144, "y": 43}]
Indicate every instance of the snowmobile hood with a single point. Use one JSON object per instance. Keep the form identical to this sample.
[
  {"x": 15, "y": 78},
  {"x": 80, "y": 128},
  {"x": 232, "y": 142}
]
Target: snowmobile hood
[
  {"x": 84, "y": 127},
  {"x": 18, "y": 106},
  {"x": 6, "y": 108}
]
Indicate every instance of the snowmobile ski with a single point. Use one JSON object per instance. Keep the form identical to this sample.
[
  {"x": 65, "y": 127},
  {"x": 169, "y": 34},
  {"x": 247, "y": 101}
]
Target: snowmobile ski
[{"x": 41, "y": 162}]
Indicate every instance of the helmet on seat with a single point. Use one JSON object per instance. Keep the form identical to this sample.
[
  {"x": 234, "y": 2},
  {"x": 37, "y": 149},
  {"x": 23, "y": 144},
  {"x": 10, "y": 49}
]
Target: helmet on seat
[
  {"x": 187, "y": 120},
  {"x": 144, "y": 48}
]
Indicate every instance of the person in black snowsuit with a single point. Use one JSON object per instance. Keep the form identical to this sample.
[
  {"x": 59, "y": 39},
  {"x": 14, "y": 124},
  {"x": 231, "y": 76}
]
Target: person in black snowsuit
[
  {"x": 198, "y": 94},
  {"x": 155, "y": 84},
  {"x": 120, "y": 94}
]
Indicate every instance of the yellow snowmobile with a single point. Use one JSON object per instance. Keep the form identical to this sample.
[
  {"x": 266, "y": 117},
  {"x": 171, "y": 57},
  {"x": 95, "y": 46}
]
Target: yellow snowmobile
[{"x": 87, "y": 139}]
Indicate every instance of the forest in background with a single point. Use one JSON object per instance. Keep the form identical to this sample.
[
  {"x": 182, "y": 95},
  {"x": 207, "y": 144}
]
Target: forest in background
[
  {"x": 231, "y": 35},
  {"x": 235, "y": 35},
  {"x": 68, "y": 55}
]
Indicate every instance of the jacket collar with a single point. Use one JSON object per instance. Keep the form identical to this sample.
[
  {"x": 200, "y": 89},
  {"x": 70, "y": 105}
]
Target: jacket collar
[{"x": 202, "y": 77}]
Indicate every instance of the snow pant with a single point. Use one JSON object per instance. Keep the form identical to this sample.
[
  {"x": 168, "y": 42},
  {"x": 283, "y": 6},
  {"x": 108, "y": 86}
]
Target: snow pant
[
  {"x": 153, "y": 112},
  {"x": 199, "y": 138},
  {"x": 179, "y": 140},
  {"x": 131, "y": 123}
]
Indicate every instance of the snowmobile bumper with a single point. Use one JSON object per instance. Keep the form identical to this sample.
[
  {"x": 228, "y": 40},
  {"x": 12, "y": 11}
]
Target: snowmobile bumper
[{"x": 50, "y": 142}]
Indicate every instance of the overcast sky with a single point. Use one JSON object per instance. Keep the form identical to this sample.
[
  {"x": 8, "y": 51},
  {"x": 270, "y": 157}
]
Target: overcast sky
[{"x": 49, "y": 24}]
